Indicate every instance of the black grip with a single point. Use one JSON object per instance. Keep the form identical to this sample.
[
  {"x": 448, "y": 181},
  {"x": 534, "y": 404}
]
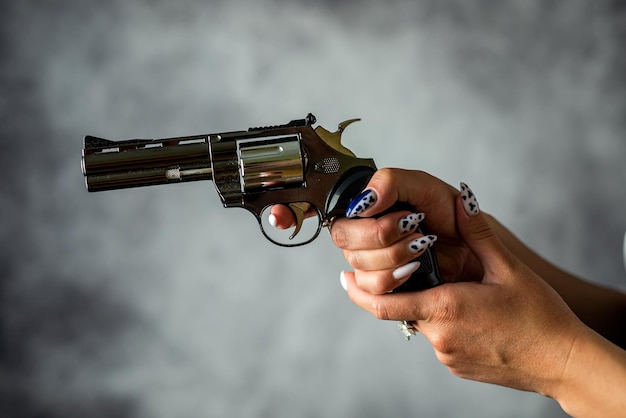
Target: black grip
[
  {"x": 427, "y": 275},
  {"x": 349, "y": 186}
]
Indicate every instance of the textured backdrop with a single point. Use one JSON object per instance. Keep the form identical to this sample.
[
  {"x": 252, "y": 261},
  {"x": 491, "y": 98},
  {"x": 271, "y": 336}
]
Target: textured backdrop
[{"x": 158, "y": 302}]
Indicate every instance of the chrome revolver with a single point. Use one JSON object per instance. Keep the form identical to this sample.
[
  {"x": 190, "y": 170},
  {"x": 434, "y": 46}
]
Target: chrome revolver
[{"x": 304, "y": 168}]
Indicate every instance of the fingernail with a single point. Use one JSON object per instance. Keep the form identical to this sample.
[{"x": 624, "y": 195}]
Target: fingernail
[
  {"x": 402, "y": 272},
  {"x": 360, "y": 203},
  {"x": 272, "y": 220},
  {"x": 470, "y": 204},
  {"x": 421, "y": 244},
  {"x": 410, "y": 222},
  {"x": 343, "y": 281}
]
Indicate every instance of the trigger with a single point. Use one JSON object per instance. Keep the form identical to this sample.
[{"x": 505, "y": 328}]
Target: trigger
[{"x": 298, "y": 209}]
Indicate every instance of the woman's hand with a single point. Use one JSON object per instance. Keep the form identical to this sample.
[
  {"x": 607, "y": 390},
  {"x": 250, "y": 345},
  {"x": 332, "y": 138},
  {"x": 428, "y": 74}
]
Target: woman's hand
[
  {"x": 495, "y": 320},
  {"x": 509, "y": 328},
  {"x": 384, "y": 239}
]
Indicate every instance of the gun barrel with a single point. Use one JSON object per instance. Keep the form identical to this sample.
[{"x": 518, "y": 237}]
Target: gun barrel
[{"x": 109, "y": 165}]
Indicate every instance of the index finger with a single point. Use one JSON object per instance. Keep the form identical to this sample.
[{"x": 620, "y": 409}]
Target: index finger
[
  {"x": 282, "y": 217},
  {"x": 374, "y": 233}
]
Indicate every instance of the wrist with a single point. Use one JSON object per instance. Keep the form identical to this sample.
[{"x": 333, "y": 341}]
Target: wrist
[{"x": 593, "y": 377}]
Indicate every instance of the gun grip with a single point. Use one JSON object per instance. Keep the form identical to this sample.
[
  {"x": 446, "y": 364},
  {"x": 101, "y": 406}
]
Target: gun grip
[
  {"x": 353, "y": 183},
  {"x": 427, "y": 275}
]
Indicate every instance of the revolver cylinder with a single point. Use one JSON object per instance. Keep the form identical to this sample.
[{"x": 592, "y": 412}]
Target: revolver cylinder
[{"x": 270, "y": 163}]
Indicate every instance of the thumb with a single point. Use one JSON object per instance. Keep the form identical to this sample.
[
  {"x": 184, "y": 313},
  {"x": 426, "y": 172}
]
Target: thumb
[
  {"x": 416, "y": 189},
  {"x": 474, "y": 229}
]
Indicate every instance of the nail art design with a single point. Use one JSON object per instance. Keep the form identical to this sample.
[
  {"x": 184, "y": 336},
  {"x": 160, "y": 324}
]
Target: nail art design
[
  {"x": 360, "y": 203},
  {"x": 404, "y": 271},
  {"x": 422, "y": 244},
  {"x": 470, "y": 204},
  {"x": 410, "y": 222}
]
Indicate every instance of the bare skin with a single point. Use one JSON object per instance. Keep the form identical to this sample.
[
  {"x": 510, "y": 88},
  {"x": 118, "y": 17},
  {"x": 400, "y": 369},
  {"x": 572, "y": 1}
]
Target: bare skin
[{"x": 505, "y": 315}]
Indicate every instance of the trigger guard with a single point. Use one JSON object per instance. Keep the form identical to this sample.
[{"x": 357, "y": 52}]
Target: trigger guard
[{"x": 310, "y": 228}]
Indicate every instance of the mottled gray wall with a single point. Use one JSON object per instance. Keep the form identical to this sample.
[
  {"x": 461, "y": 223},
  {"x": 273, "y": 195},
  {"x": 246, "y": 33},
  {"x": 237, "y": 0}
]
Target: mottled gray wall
[{"x": 159, "y": 303}]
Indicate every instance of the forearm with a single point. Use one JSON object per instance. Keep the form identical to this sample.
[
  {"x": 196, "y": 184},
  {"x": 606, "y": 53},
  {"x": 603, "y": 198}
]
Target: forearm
[
  {"x": 600, "y": 308},
  {"x": 592, "y": 384},
  {"x": 593, "y": 381}
]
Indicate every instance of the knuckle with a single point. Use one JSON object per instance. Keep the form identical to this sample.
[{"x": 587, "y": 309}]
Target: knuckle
[
  {"x": 379, "y": 310},
  {"x": 384, "y": 179},
  {"x": 379, "y": 287},
  {"x": 383, "y": 235},
  {"x": 447, "y": 314},
  {"x": 444, "y": 340},
  {"x": 383, "y": 176},
  {"x": 481, "y": 231},
  {"x": 396, "y": 257},
  {"x": 373, "y": 282},
  {"x": 339, "y": 236},
  {"x": 443, "y": 347},
  {"x": 353, "y": 258}
]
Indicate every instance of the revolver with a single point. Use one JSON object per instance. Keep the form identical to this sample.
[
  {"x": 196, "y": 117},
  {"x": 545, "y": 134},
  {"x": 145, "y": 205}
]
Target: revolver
[{"x": 304, "y": 168}]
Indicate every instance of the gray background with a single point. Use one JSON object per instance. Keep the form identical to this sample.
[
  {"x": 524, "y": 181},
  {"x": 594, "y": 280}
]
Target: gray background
[{"x": 157, "y": 302}]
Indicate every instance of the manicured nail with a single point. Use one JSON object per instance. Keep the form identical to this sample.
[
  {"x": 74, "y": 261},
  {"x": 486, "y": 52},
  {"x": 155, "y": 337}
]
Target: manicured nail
[
  {"x": 421, "y": 244},
  {"x": 272, "y": 220},
  {"x": 343, "y": 281},
  {"x": 410, "y": 222},
  {"x": 402, "y": 272},
  {"x": 470, "y": 204},
  {"x": 360, "y": 203}
]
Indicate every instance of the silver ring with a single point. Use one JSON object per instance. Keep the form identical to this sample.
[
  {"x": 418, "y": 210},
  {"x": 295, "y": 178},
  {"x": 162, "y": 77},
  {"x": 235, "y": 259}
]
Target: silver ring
[
  {"x": 329, "y": 223},
  {"x": 407, "y": 328}
]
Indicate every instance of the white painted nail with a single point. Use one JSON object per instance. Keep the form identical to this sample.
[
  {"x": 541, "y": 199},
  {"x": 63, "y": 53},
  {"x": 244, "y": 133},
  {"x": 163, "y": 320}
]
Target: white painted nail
[
  {"x": 272, "y": 220},
  {"x": 406, "y": 270},
  {"x": 410, "y": 222},
  {"x": 470, "y": 204},
  {"x": 421, "y": 244},
  {"x": 343, "y": 281}
]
